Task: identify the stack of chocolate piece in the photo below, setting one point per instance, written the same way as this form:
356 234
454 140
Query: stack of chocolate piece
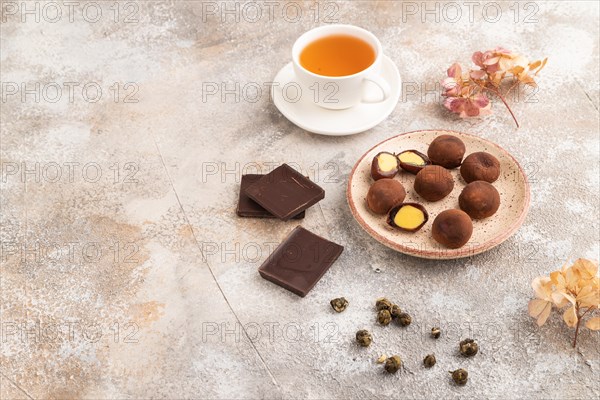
303 257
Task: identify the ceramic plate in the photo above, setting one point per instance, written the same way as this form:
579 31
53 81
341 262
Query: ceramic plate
487 233
364 116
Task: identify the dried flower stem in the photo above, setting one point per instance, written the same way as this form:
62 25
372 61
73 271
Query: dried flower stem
497 93
579 318
577 326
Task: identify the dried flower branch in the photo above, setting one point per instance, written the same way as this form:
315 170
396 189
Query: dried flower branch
577 287
465 93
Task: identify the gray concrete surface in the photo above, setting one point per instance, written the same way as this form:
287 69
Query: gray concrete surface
130 276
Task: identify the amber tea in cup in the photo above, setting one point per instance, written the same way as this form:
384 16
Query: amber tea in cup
337 55
337 60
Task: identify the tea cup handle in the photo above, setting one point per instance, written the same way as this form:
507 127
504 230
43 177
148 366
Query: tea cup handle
382 84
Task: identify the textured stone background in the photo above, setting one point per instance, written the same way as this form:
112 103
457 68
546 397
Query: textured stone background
129 275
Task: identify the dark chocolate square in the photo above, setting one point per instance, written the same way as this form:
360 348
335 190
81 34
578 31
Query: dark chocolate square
300 261
248 207
285 192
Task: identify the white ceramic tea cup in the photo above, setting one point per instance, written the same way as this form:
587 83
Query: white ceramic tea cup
339 92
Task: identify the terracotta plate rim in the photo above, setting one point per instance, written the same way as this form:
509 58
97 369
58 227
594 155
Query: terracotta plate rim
442 254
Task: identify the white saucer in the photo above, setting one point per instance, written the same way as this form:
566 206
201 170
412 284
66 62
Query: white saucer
308 116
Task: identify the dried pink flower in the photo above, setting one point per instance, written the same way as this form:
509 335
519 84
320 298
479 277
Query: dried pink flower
471 106
465 92
461 98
